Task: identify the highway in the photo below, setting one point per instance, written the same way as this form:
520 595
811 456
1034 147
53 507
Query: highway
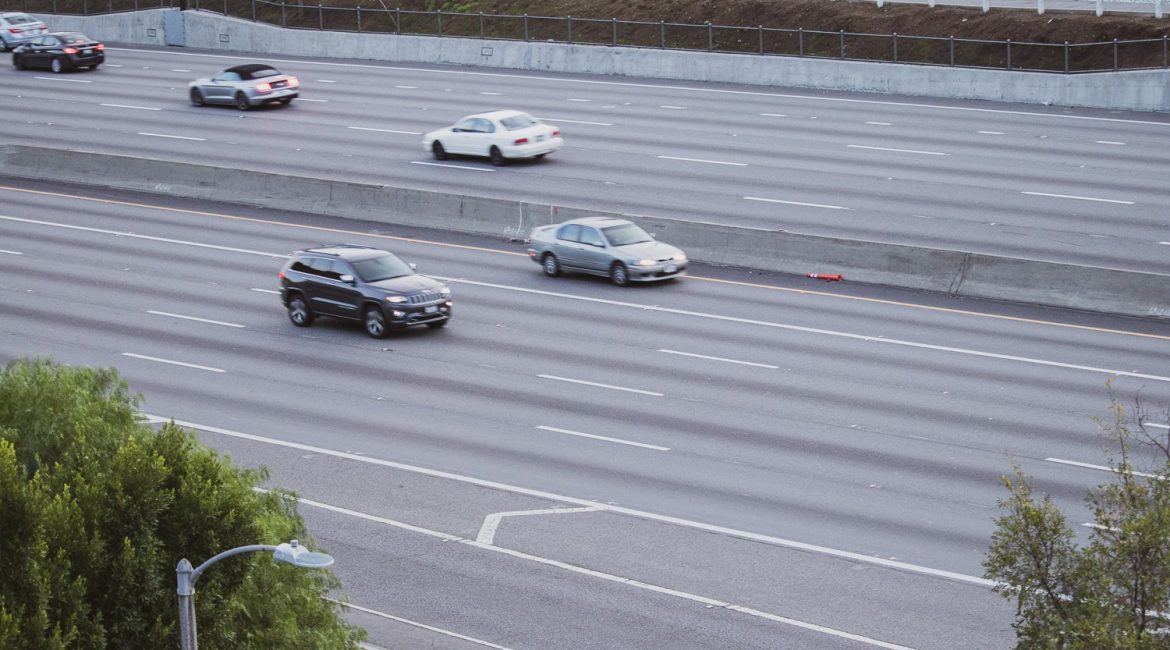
1037 182
732 460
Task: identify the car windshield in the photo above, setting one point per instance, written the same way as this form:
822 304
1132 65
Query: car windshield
260 74
626 234
521 121
75 38
21 20
382 267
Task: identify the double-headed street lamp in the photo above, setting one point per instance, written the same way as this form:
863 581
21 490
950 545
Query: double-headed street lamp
291 553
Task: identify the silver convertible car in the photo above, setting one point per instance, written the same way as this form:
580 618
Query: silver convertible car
245 86
605 246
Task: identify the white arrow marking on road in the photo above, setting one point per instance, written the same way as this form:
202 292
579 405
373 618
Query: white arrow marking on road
487 532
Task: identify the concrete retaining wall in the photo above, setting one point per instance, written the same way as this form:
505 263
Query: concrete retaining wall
958 273
1144 90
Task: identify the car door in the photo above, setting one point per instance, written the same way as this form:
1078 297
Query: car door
457 142
222 87
595 255
332 295
567 247
483 136
39 52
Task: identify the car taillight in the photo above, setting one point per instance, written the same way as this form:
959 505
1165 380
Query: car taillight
99 47
70 50
264 87
280 275
521 141
556 133
15 30
293 81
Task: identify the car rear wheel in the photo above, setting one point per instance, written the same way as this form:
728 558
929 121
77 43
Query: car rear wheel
375 322
438 151
242 102
619 275
94 66
552 267
56 66
497 157
286 101
197 97
298 312
17 62
439 324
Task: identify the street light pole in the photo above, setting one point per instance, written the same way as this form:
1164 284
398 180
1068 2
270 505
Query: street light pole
291 553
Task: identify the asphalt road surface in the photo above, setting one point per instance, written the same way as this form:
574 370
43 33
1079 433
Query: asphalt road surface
1079 186
730 460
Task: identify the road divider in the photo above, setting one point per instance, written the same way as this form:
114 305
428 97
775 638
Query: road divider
953 272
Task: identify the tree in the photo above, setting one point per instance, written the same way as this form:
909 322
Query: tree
1114 591
97 508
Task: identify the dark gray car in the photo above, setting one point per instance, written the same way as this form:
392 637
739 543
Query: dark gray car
245 86
618 249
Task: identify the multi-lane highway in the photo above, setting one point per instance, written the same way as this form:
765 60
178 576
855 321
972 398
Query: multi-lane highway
1026 181
732 460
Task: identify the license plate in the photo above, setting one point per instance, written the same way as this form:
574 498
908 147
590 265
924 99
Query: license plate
87 52
540 138
432 309
670 268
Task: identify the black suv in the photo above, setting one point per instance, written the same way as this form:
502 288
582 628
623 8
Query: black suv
363 284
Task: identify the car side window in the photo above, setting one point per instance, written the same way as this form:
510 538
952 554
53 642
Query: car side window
569 232
590 236
301 265
324 268
464 125
484 126
227 76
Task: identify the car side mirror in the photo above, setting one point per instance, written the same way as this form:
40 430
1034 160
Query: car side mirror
413 266
346 278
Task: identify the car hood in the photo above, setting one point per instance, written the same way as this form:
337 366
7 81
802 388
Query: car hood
408 284
654 250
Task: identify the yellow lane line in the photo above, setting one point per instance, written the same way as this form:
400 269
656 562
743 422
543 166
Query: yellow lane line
483 249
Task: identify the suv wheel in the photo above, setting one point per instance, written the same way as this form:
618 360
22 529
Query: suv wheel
375 322
619 274
552 267
298 312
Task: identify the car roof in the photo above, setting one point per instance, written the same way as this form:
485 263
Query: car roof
497 115
599 222
347 251
17 14
247 69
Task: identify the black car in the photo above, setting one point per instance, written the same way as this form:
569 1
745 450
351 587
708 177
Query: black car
363 284
60 51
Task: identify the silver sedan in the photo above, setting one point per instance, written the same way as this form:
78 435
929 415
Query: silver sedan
245 86
616 248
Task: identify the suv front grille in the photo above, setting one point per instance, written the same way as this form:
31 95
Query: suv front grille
426 296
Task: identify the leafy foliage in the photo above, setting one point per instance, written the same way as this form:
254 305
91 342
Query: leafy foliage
1113 593
96 510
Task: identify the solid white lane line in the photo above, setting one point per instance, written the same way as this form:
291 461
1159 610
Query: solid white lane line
173 137
816 330
703 356
991 132
609 386
881 123
1102 468
487 532
773 114
1160 426
924 153
1109 142
807 205
629 582
559 120
492 94
1164 243
366 128
551 496
574 99
172 362
456 635
1078 198
310 99
433 164
139 108
605 438
180 70
76 81
118 233
700 160
674 108
8 252
194 318
407 87
264 290
326 81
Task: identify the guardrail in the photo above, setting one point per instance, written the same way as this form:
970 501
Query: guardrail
1022 56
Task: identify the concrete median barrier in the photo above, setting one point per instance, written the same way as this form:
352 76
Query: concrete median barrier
953 272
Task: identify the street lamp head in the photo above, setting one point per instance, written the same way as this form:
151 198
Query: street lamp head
295 554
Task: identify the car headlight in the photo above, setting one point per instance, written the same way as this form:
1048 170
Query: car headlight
396 299
445 292
646 262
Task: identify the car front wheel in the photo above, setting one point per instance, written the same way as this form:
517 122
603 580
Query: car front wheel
619 275
438 151
197 97
497 157
242 102
375 322
552 267
56 66
298 312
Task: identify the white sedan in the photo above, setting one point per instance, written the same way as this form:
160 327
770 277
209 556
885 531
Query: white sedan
499 135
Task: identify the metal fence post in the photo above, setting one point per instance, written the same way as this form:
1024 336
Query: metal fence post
952 50
1009 54
439 21
570 21
84 9
710 36
895 47
253 10
761 39
1066 57
282 19
225 7
842 44
359 18
398 20
481 24
110 7
800 40
320 16
662 34
1115 55
525 27
614 21
1165 59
